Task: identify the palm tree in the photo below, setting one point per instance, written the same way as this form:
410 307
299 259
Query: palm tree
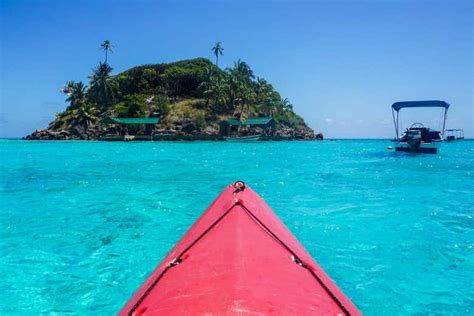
269 106
216 88
107 47
242 71
76 92
206 85
240 80
102 85
246 97
262 87
285 104
235 86
217 50
220 91
86 115
271 103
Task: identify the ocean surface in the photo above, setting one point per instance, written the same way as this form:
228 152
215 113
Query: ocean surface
83 223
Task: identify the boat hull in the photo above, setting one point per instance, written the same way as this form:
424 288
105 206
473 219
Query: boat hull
423 148
238 258
252 138
453 138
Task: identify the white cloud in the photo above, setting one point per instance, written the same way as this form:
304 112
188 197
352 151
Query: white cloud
386 122
329 121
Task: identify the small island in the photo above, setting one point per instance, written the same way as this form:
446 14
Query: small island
184 100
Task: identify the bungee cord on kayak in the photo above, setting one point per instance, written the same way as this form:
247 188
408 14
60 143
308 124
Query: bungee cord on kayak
295 257
179 259
239 187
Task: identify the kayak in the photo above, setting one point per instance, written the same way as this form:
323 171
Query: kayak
238 258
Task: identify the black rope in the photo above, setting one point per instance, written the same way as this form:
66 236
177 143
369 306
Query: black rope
297 259
178 260
206 231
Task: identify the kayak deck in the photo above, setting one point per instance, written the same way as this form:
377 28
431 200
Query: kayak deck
238 258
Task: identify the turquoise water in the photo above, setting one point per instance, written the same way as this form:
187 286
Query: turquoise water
83 223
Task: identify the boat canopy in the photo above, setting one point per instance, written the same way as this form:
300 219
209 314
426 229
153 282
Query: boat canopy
397 106
419 104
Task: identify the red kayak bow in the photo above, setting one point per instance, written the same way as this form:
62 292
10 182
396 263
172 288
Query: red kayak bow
238 258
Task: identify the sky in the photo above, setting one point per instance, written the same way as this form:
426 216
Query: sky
340 63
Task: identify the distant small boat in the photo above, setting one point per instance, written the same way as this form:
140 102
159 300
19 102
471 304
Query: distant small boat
250 138
418 138
454 134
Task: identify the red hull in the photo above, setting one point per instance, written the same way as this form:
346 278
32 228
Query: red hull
238 258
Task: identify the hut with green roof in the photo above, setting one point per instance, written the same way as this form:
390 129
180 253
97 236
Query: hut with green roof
131 123
267 124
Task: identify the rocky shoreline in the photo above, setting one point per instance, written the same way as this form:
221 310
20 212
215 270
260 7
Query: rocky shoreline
186 132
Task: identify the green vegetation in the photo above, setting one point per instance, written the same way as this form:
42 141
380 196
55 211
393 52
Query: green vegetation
192 91
103 87
76 92
132 106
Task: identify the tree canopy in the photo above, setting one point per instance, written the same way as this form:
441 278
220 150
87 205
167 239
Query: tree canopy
156 89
